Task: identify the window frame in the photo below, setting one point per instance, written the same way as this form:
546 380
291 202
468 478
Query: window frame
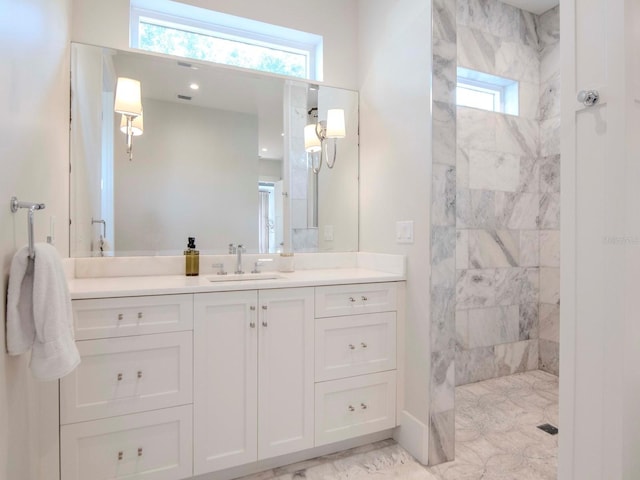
233 30
505 90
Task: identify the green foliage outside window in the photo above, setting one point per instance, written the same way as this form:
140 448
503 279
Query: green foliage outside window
161 39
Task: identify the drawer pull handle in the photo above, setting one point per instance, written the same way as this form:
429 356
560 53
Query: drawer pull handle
364 299
140 451
352 300
264 307
139 315
139 373
264 323
252 308
120 316
363 345
252 324
119 377
351 409
363 406
352 346
120 455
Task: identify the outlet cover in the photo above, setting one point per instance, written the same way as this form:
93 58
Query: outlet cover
404 231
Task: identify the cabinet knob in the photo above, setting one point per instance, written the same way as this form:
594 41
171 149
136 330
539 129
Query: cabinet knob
120 316
252 324
139 451
363 406
139 373
139 315
119 377
351 409
264 323
363 345
120 455
264 307
252 308
352 300
352 346
364 299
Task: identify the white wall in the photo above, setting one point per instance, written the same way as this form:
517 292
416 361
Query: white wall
395 161
189 168
107 23
34 115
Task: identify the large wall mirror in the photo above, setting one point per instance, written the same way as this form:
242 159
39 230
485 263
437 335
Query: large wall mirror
221 158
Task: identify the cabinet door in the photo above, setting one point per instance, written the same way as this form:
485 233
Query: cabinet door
286 383
225 380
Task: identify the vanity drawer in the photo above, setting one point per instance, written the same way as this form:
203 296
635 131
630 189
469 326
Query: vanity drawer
125 375
355 345
119 317
338 300
355 406
153 445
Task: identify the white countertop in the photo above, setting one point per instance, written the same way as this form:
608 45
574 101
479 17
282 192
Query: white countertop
131 286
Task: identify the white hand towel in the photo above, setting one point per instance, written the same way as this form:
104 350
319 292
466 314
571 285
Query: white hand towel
39 313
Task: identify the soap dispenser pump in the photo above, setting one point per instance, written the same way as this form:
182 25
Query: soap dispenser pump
192 259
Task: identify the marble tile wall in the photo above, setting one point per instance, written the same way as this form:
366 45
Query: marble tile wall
548 28
443 234
507 198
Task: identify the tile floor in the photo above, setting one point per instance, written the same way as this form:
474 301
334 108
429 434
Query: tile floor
496 439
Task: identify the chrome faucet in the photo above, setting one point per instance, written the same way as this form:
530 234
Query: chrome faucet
239 249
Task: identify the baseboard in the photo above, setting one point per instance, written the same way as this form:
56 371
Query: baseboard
413 436
263 465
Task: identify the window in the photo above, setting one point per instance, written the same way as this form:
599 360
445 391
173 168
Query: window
487 92
191 32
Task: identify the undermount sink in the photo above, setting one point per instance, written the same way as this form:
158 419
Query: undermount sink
235 277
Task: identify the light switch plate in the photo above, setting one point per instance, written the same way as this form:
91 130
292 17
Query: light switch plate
404 231
328 233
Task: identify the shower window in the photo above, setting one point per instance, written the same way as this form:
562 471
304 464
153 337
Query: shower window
487 92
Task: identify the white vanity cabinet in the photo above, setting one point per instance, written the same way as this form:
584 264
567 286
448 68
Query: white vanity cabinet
126 411
253 376
173 386
355 366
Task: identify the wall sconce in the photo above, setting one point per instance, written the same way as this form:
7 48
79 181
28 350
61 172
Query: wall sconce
316 135
137 125
128 103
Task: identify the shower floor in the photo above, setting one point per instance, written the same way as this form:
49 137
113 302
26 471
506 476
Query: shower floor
497 438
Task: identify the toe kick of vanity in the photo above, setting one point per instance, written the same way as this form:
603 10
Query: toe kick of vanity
177 385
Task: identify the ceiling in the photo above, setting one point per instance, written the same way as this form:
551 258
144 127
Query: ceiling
535 6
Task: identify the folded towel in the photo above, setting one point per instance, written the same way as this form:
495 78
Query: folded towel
39 313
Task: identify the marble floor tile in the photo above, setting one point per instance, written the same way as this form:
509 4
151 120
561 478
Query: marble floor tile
496 439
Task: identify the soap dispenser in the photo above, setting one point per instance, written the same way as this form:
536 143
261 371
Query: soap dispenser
192 259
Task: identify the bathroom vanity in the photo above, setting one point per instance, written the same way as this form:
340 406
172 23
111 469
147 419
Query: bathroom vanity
183 377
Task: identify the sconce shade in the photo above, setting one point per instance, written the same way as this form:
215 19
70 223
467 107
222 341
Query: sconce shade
335 123
311 140
128 98
137 125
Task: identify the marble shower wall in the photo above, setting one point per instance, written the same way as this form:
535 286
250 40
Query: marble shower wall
507 203
548 27
443 234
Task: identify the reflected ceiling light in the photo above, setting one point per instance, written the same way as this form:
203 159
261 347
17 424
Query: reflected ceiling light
128 103
316 137
265 149
194 86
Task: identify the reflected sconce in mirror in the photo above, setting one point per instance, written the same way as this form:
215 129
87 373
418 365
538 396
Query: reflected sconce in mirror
316 137
129 104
